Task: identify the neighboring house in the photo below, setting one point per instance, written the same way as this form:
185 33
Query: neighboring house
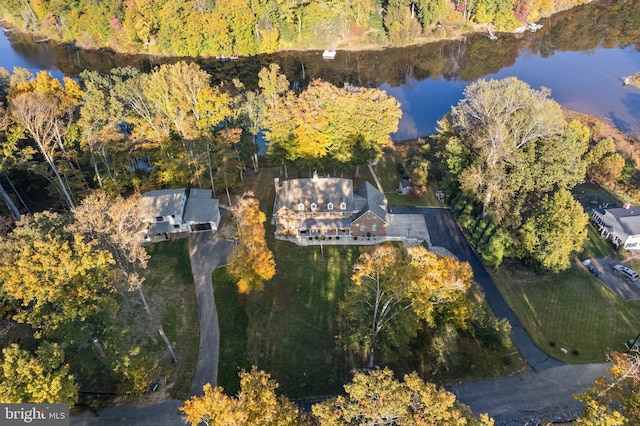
169 211
620 224
329 207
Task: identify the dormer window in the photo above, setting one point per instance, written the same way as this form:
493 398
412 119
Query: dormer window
314 206
301 207
343 206
330 206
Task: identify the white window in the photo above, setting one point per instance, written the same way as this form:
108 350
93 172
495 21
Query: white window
368 216
301 207
343 206
330 206
314 206
374 227
362 228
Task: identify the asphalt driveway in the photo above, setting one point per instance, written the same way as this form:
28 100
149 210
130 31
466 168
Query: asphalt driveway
614 281
207 252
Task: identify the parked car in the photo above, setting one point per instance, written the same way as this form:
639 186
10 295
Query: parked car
594 271
628 273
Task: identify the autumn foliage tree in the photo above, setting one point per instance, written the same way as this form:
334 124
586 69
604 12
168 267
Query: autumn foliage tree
328 125
252 262
614 401
395 290
507 148
376 398
256 404
42 377
55 276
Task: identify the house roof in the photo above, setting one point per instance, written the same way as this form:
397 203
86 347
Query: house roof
163 202
368 198
200 193
321 191
159 228
201 207
620 220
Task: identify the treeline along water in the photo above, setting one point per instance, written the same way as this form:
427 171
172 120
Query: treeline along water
581 55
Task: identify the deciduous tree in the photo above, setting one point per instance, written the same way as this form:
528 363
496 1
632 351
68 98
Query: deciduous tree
252 262
557 229
376 398
614 401
56 276
112 224
45 108
255 404
496 120
41 378
393 291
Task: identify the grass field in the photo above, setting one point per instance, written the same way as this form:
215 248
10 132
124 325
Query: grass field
595 247
570 310
591 195
170 291
287 329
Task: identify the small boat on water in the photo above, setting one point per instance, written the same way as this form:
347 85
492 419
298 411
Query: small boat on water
329 54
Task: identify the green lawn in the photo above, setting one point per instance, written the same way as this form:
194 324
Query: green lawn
591 195
595 247
570 310
287 329
170 291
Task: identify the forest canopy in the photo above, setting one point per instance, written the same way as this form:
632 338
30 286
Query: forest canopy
242 27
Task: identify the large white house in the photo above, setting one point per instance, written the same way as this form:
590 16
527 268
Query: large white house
169 211
620 224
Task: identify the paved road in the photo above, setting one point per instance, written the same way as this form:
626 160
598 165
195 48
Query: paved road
530 398
207 253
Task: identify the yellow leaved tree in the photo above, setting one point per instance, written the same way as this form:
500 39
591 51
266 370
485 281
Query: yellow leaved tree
255 404
252 262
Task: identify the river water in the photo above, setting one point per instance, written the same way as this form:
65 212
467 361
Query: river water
582 55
